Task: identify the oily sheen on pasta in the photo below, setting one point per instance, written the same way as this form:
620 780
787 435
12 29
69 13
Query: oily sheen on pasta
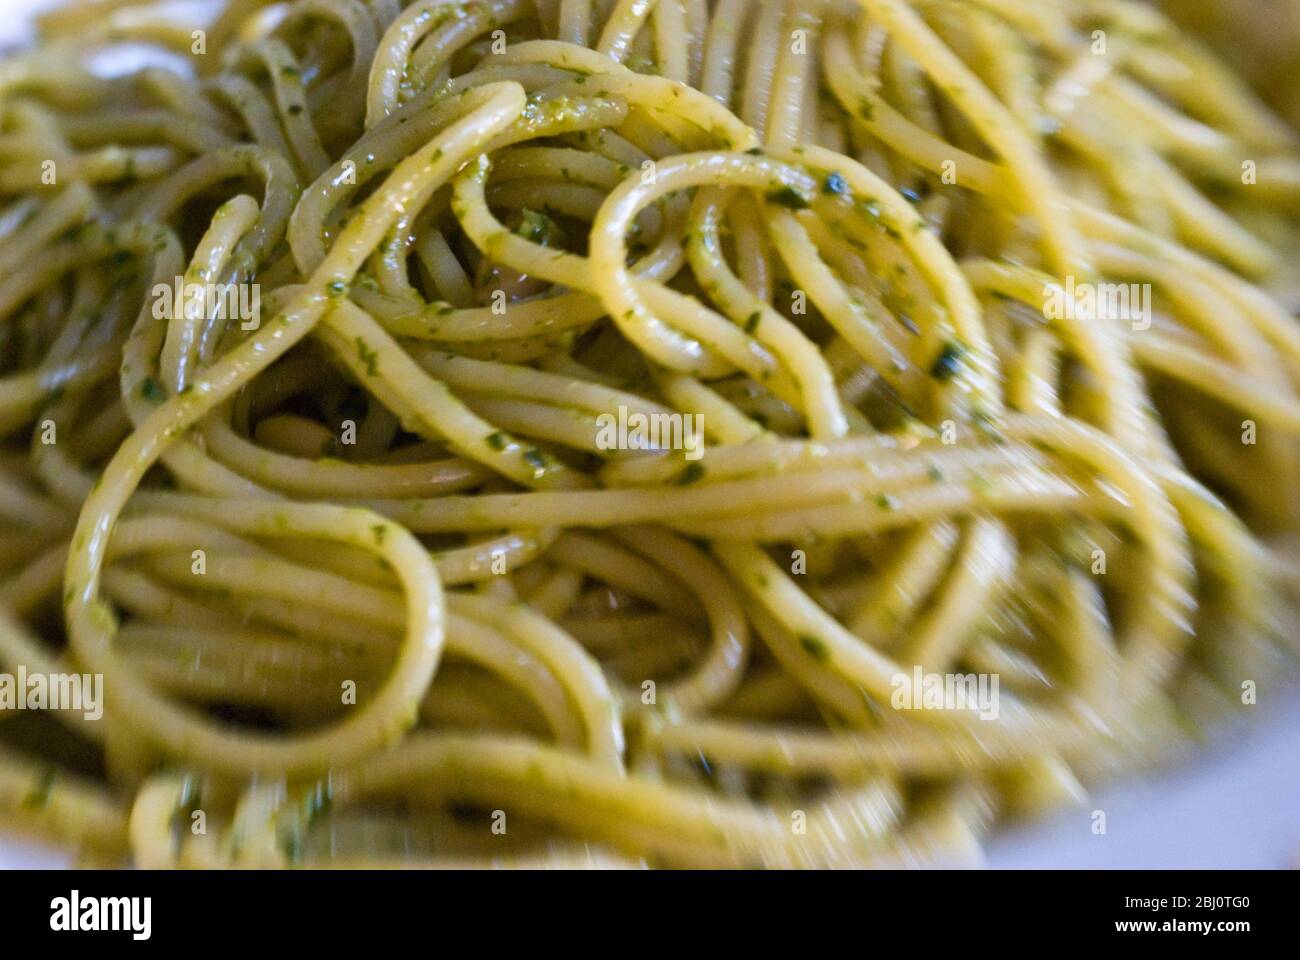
983 311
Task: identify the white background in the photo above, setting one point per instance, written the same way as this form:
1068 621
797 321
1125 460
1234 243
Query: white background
1237 804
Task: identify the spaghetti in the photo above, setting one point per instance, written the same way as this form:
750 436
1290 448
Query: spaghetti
311 336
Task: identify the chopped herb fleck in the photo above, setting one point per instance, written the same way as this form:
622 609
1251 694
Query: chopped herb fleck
693 472
789 197
292 846
835 183
948 363
368 357
814 647
152 390
537 227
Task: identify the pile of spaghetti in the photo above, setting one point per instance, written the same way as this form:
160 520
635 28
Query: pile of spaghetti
984 307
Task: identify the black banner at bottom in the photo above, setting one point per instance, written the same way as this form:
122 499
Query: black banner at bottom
337 909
